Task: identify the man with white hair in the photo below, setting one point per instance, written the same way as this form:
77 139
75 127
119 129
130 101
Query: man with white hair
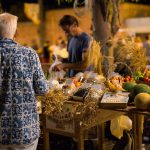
21 77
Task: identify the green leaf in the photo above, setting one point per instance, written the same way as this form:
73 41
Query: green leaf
62 1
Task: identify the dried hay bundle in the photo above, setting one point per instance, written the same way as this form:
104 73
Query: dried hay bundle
94 57
53 101
127 51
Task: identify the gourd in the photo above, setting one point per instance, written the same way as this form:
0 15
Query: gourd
141 88
128 86
142 101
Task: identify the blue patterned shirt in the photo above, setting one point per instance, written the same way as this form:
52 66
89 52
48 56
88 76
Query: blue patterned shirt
21 77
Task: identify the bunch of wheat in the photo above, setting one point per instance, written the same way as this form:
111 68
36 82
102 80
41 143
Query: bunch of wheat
94 57
127 51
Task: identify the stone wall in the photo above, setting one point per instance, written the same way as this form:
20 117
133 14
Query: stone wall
27 32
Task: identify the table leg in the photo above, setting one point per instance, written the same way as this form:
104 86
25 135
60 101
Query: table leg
46 141
137 124
45 134
81 141
100 135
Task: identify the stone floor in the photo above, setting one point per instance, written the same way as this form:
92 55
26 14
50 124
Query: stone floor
69 144
65 143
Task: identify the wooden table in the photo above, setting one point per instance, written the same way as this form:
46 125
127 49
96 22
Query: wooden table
137 117
74 130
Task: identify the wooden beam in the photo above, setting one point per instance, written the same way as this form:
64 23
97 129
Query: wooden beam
42 23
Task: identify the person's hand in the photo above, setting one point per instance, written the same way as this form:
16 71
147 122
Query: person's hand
58 67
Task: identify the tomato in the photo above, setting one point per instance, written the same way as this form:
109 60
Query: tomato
146 79
126 79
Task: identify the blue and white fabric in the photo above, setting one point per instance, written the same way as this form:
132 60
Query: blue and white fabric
21 77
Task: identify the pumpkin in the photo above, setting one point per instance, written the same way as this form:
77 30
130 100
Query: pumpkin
142 101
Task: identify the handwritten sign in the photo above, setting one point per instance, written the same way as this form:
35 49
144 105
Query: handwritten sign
114 100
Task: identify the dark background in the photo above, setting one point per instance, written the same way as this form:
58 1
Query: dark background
53 4
16 7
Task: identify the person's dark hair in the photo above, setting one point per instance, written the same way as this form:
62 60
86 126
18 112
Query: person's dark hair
147 36
68 20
